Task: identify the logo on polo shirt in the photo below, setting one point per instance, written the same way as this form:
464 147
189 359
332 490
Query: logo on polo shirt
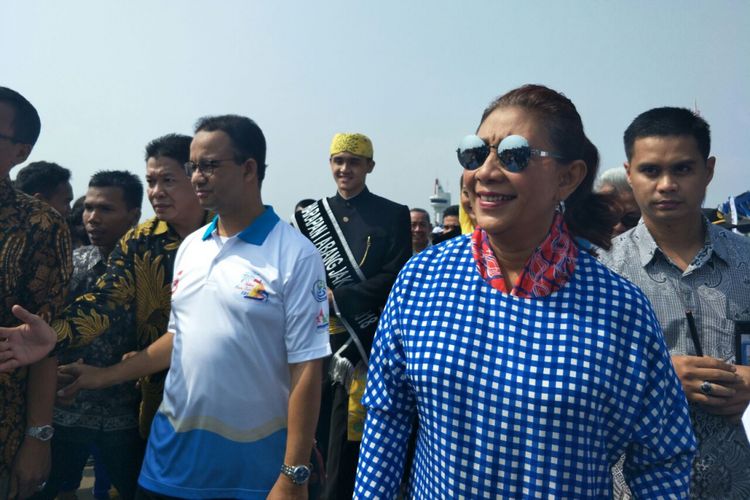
251 287
321 320
176 281
319 291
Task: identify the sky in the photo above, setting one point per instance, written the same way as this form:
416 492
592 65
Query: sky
107 77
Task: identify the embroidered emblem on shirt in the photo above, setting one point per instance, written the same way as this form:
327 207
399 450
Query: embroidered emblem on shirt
251 287
319 291
321 320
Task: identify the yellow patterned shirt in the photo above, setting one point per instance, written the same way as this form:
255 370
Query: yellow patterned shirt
138 279
35 267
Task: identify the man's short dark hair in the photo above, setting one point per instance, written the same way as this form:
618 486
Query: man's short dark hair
422 211
129 183
451 211
666 122
246 136
26 123
175 146
42 177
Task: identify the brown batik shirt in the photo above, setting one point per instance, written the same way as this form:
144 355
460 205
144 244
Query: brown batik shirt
35 266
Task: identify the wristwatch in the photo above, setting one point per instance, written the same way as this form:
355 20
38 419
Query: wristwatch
42 432
299 474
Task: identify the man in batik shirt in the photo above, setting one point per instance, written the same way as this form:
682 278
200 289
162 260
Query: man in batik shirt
139 273
34 273
697 276
138 276
103 422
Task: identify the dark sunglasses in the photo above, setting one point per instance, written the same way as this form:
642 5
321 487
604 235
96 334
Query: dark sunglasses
513 152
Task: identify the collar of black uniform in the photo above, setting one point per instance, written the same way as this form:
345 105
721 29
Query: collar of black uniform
365 193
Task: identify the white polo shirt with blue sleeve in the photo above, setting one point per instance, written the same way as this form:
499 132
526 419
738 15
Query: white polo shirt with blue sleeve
243 309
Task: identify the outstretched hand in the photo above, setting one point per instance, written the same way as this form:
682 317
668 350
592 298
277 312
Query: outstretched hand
27 343
82 376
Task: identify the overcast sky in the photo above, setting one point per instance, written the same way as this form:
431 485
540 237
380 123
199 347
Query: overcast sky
108 76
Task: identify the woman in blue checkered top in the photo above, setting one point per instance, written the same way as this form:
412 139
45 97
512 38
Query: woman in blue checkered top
531 368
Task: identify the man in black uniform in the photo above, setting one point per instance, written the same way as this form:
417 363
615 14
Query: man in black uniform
364 240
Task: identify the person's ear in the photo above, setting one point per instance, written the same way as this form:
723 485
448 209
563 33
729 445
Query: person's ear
251 167
710 166
22 153
569 178
626 166
135 216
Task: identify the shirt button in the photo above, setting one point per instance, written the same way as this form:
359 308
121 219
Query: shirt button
346 219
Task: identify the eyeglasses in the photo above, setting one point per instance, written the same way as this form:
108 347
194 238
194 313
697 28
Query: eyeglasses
11 139
205 167
513 152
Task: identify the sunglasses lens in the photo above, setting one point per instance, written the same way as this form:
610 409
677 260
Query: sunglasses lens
472 152
514 153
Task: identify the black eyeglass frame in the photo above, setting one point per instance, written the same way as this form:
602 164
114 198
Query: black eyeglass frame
205 167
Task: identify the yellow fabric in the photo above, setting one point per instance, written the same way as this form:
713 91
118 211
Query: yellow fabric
465 221
335 326
356 418
356 144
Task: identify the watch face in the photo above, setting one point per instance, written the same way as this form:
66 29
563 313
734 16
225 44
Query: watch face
301 474
43 433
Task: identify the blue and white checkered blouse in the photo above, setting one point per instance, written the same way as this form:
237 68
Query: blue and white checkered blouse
520 397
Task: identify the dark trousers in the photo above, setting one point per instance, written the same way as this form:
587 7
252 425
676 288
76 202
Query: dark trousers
120 451
341 464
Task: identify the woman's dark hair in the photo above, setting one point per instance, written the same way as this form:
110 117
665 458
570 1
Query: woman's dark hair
587 214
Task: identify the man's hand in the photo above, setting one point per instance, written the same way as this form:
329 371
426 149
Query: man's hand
30 468
284 488
694 370
83 377
25 344
735 405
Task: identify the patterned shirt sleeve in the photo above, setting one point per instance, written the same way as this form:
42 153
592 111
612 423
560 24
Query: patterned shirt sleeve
107 303
390 407
52 263
659 459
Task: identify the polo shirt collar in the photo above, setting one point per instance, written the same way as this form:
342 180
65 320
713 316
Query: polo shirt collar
647 247
645 243
256 232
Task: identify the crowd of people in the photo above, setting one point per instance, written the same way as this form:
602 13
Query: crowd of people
560 334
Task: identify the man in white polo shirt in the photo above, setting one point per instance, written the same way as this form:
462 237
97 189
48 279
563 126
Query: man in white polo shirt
249 322
247 333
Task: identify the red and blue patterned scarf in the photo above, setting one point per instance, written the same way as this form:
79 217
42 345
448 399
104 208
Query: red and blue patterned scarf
549 267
